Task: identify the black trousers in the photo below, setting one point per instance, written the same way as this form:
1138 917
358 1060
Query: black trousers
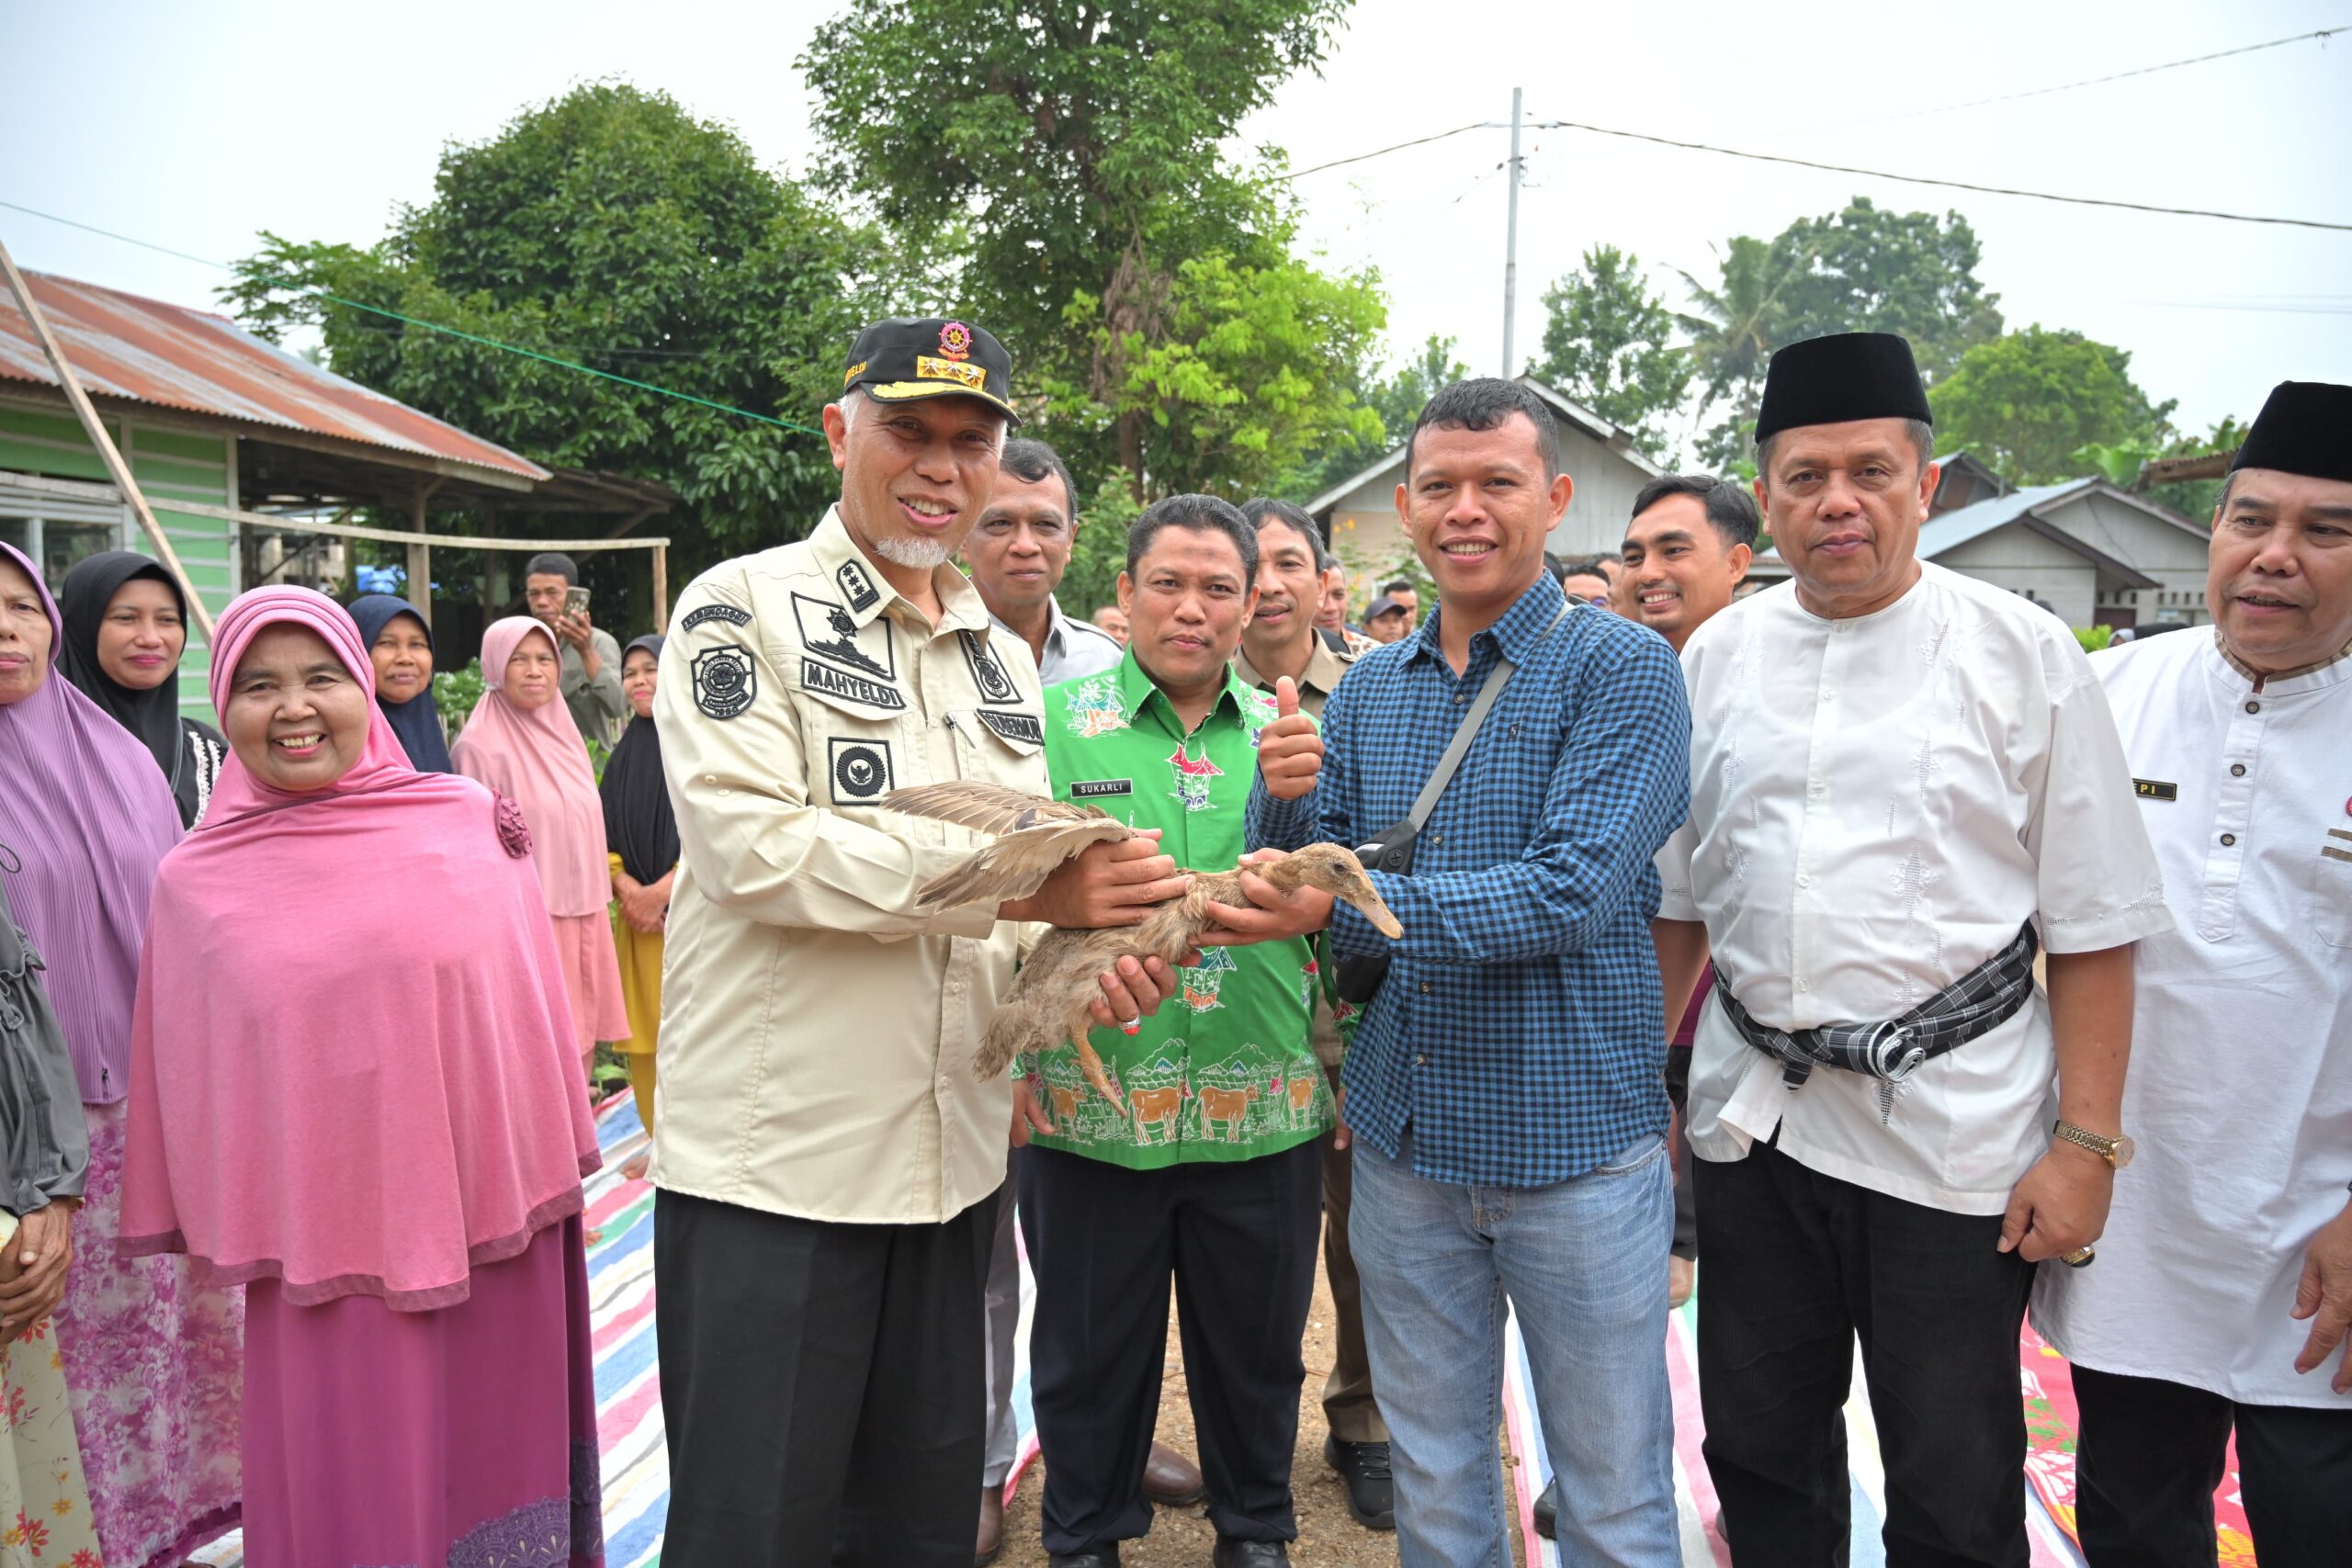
1798 1266
2149 1453
1240 1241
822 1387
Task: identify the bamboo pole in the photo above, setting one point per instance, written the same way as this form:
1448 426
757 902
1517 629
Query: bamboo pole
104 442
662 587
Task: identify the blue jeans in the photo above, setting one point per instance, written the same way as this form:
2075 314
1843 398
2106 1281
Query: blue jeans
1583 1264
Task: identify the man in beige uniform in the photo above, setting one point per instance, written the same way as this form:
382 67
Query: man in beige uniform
826 1163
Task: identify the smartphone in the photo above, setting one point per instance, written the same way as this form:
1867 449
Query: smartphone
575 600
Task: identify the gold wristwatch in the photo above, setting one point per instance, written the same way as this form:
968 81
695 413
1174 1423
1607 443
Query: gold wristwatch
2117 1151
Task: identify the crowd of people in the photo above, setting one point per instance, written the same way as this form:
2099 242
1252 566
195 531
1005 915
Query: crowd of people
1861 937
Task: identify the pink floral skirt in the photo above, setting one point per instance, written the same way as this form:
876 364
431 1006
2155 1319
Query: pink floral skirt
154 1367
592 974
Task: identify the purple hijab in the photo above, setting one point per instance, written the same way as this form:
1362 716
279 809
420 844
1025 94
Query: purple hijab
85 818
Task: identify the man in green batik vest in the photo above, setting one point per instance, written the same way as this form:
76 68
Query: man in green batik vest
1208 1169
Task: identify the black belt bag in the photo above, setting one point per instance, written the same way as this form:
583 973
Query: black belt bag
1358 979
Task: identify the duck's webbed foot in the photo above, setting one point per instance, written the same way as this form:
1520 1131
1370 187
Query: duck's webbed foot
1091 1064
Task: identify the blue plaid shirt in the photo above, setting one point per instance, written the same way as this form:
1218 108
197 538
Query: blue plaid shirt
1519 1032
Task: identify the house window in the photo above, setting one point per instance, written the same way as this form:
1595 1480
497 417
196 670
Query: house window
53 543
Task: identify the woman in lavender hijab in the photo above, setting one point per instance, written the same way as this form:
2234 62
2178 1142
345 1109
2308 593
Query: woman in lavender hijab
152 1364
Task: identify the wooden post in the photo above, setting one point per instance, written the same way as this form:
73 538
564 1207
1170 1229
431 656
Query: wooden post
121 471
662 588
420 558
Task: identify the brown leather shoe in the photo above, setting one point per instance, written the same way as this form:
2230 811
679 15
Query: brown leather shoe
1171 1480
992 1540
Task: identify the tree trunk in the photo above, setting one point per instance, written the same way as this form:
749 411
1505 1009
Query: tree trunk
1128 428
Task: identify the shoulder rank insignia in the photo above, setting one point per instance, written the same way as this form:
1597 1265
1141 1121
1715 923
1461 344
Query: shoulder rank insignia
856 586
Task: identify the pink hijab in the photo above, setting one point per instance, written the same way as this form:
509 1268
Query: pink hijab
538 760
82 830
352 1065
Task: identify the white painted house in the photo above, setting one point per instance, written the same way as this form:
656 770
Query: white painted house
1359 514
2093 553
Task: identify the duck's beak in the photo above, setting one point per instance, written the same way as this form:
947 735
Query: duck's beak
1370 905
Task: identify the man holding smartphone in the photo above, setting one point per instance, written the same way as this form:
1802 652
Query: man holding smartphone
591 678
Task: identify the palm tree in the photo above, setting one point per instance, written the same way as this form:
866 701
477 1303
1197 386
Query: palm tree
1736 324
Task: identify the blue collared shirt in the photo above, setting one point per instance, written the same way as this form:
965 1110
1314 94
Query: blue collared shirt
1519 1032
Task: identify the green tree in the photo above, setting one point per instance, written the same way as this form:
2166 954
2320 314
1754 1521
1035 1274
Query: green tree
1861 269
1250 376
1867 270
1396 397
2027 402
1605 345
1734 324
2196 499
612 228
1080 148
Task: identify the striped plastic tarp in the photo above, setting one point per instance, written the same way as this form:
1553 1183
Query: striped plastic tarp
637 1475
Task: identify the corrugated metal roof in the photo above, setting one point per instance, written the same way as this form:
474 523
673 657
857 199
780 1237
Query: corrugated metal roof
122 346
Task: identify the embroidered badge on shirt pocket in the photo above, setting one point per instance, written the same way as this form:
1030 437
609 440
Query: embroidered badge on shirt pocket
2332 910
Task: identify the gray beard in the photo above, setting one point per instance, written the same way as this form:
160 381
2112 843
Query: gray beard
918 555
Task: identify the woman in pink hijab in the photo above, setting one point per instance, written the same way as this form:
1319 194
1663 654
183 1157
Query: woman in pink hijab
358 1100
150 1353
522 743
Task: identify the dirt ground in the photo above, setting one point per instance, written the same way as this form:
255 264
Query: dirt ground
1182 1538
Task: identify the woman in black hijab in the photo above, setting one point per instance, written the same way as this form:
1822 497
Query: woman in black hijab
400 645
643 835
126 627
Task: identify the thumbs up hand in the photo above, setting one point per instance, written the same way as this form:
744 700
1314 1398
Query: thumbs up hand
1290 751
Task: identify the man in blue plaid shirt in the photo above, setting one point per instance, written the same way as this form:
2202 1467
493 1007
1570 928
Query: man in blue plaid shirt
1505 1090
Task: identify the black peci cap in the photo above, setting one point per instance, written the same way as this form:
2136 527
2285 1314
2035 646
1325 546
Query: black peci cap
1848 376
2305 427
905 359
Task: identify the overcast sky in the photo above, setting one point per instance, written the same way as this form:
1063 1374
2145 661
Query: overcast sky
194 126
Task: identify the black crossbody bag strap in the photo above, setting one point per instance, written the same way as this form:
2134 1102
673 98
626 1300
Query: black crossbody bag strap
1359 977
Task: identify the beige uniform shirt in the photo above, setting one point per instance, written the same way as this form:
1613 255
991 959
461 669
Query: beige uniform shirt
1324 668
817 1029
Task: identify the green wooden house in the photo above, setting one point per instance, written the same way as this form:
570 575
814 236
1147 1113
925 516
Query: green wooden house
215 421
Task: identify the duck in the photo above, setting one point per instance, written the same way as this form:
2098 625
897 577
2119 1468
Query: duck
1052 996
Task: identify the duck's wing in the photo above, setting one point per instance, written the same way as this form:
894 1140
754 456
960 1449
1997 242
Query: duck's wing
1034 836
988 807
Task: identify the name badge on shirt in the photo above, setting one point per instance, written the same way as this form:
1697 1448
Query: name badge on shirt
2155 789
1092 789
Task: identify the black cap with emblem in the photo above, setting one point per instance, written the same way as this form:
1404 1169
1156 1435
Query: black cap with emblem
1844 377
2304 428
906 357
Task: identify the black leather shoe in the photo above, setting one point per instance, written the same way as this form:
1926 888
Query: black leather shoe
1103 1556
1547 1512
1233 1553
1372 1488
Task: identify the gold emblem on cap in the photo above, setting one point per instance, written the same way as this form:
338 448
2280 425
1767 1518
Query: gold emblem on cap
928 368
855 371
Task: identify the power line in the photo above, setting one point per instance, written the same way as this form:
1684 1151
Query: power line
1948 185
1384 151
293 286
2322 35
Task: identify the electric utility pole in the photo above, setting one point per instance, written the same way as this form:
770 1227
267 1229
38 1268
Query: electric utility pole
1510 246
